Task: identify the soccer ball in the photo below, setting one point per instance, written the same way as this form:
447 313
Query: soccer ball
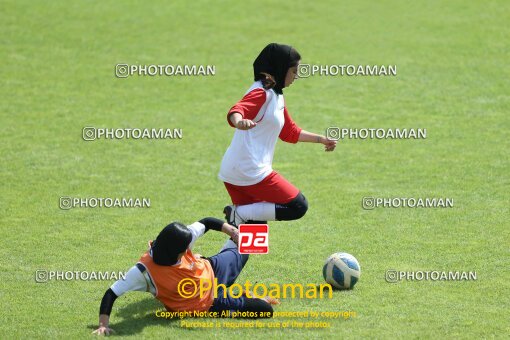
341 270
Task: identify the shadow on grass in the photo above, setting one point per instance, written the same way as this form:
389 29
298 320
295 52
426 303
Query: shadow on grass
136 316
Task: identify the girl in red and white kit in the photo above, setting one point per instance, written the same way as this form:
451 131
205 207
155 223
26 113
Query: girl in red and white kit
259 193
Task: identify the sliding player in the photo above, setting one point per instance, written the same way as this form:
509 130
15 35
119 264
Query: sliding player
169 261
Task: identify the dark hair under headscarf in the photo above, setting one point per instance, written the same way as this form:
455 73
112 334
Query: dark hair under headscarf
171 241
275 59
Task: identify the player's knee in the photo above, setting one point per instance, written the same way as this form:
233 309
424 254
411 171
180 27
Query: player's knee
293 210
301 206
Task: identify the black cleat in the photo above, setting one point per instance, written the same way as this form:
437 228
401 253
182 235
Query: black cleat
232 217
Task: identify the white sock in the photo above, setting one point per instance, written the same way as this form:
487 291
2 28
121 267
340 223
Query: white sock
229 244
262 211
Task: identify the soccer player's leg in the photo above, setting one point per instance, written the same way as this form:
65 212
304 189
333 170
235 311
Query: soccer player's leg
293 210
256 308
239 197
227 265
275 198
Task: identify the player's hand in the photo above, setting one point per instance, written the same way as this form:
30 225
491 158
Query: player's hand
245 124
232 232
102 330
329 144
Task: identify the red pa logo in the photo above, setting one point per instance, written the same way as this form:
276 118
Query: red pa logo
253 239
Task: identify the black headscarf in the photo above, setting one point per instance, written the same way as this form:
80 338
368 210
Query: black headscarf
171 241
275 60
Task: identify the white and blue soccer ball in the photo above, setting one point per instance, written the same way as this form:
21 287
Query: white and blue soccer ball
341 270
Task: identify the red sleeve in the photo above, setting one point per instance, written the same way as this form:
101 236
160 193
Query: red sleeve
249 106
290 131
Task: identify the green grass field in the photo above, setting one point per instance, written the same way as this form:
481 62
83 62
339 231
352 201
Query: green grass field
57 76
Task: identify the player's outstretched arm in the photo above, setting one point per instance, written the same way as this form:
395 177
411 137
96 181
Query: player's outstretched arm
305 136
104 313
134 280
219 225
